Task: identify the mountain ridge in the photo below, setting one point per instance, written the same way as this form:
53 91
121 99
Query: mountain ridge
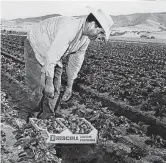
34 19
132 22
119 20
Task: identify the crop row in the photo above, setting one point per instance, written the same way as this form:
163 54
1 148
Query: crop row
133 73
118 136
127 72
154 106
13 45
15 69
13 39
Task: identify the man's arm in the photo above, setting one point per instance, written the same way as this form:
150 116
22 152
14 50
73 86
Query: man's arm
54 54
57 50
74 66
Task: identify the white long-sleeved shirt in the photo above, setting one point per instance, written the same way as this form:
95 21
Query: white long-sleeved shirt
55 38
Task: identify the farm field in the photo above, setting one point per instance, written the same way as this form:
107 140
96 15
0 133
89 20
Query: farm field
121 90
138 39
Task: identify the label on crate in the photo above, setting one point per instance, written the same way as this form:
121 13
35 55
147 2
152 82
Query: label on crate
74 139
65 135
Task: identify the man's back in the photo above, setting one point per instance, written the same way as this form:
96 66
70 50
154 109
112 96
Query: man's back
44 33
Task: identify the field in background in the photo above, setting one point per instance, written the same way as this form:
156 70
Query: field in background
120 89
138 39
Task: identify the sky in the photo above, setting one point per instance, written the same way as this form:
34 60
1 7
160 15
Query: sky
23 9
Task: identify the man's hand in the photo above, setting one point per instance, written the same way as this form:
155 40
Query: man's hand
49 88
49 91
67 94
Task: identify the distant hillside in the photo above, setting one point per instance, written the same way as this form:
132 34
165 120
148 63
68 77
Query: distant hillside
35 19
119 21
151 22
141 18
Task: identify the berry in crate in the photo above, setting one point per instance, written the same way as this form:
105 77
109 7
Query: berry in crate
76 125
51 125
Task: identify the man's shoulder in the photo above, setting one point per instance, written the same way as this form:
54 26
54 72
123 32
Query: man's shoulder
64 18
70 19
67 21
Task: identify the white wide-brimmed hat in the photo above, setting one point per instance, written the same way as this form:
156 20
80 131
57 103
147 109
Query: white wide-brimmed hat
103 18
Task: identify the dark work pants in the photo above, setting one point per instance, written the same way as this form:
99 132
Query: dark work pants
35 82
